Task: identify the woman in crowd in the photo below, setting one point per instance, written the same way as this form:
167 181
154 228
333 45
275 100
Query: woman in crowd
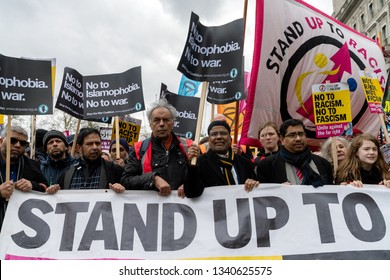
342 145
364 164
269 139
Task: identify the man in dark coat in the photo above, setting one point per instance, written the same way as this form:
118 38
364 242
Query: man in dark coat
57 161
25 174
220 165
160 162
294 164
91 171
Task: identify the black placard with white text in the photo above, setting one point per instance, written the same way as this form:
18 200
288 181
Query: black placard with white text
25 86
213 53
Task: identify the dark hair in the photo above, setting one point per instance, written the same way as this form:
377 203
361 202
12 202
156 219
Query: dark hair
84 132
291 122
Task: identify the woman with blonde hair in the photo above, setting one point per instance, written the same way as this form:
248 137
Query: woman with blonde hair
364 164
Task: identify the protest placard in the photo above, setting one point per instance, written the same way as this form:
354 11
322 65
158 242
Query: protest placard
332 109
113 94
187 112
71 96
127 130
213 53
25 86
372 90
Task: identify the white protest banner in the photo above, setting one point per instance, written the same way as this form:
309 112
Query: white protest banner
297 46
272 222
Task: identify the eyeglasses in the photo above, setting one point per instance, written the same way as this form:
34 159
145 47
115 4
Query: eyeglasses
16 140
222 133
294 135
157 121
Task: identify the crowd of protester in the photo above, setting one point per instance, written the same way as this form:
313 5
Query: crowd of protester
166 162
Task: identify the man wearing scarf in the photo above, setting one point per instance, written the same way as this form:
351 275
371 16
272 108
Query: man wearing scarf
220 165
159 163
295 164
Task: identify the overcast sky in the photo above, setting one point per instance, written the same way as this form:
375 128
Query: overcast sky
110 36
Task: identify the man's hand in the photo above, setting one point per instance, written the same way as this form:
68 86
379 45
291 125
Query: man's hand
163 187
6 189
180 192
23 185
118 188
250 184
193 151
53 189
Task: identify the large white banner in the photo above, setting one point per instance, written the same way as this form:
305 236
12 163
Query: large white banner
271 222
297 46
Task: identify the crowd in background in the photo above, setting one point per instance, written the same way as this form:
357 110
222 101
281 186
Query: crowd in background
166 162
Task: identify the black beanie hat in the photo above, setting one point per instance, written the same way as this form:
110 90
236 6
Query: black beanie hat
218 123
54 134
123 142
39 134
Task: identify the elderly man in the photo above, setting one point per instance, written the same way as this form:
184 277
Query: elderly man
58 159
220 165
159 162
294 164
91 171
25 174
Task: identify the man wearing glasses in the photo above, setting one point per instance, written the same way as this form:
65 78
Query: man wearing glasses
160 162
294 164
25 174
219 166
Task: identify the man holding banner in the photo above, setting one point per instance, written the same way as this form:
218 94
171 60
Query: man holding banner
91 171
295 164
25 174
159 162
220 165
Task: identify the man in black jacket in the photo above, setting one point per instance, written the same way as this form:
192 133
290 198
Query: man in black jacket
159 162
57 161
91 171
220 165
294 164
25 174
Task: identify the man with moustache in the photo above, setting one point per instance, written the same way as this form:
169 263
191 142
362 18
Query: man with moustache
160 162
57 161
219 166
295 164
91 171
25 174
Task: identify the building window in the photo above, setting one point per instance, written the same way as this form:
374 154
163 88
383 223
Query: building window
370 10
381 3
362 20
354 26
384 31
